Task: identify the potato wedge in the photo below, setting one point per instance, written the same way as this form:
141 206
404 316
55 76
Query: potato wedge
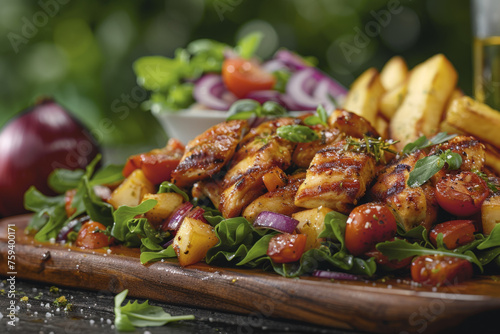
394 73
166 204
364 95
193 240
492 158
382 126
490 213
429 88
392 99
132 190
311 223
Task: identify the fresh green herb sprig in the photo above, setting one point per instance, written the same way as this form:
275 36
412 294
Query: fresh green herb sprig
492 186
133 315
297 133
372 146
423 142
246 108
426 167
321 117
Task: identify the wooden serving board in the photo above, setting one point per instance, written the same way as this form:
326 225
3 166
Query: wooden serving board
376 306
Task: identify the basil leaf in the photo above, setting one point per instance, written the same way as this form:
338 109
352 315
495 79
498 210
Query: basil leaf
423 142
320 118
62 180
166 253
243 109
141 315
424 169
271 108
168 187
247 46
454 160
297 133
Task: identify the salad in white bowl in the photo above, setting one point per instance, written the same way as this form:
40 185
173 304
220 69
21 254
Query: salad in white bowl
195 89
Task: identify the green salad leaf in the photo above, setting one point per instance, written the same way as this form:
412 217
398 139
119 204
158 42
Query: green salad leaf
168 187
247 45
133 315
425 168
153 256
423 142
321 117
297 133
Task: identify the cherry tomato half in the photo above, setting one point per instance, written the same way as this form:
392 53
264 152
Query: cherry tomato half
68 202
455 233
367 225
89 237
440 270
462 194
158 164
243 76
385 263
286 247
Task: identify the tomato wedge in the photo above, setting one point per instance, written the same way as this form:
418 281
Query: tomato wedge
440 270
455 233
367 225
68 202
286 247
157 164
385 263
274 179
243 76
89 237
462 194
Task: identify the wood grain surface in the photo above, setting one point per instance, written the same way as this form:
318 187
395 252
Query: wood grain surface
381 306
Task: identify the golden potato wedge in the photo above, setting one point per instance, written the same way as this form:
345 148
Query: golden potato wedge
382 126
193 240
429 88
311 223
166 204
475 118
132 190
364 95
490 213
392 99
394 73
492 158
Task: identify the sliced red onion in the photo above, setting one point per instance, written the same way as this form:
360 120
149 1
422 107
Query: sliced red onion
197 213
168 243
174 221
210 91
291 60
275 221
274 65
335 275
63 233
262 96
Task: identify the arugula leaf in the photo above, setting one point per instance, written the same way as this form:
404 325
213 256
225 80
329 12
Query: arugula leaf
414 233
62 180
107 175
97 209
320 118
423 142
297 133
168 187
166 253
126 227
401 249
335 224
492 240
141 315
247 46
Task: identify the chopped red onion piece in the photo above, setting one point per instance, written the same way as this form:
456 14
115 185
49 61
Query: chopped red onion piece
174 221
63 233
275 221
291 60
262 96
197 213
210 91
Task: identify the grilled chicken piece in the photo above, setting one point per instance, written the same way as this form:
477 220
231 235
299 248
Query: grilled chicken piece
471 150
281 200
208 153
261 150
412 206
336 179
351 124
305 152
208 188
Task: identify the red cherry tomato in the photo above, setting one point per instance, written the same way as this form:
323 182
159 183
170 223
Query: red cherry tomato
440 270
243 76
455 233
462 194
387 264
158 164
88 237
284 248
367 225
68 201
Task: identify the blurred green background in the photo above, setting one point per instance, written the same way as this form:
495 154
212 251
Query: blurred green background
81 52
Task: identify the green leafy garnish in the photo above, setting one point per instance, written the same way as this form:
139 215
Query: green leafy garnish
246 108
423 142
166 253
492 186
247 46
321 117
297 133
127 228
372 146
133 315
168 187
426 167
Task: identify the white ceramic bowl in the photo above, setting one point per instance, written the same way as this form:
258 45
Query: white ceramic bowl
185 125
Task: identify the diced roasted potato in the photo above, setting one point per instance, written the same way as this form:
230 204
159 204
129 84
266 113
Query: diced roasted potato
392 99
311 223
167 203
429 88
193 240
132 190
394 73
364 95
475 118
490 213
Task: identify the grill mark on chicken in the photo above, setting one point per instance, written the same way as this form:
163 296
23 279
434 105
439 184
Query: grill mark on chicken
208 153
305 152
